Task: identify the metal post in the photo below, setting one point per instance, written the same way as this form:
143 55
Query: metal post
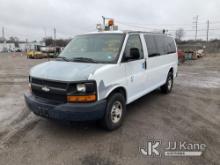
54 31
207 37
196 26
103 22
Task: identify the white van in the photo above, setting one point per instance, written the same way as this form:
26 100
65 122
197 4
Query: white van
98 74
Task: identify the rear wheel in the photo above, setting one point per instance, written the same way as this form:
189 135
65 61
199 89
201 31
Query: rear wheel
168 86
115 112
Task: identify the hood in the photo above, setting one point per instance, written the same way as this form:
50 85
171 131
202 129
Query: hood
64 71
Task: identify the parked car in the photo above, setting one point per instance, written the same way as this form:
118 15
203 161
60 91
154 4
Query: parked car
98 74
17 50
200 53
181 56
50 51
35 54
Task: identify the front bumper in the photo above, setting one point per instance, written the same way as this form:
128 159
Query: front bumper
66 111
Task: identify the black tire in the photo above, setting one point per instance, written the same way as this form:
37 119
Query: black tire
168 86
108 121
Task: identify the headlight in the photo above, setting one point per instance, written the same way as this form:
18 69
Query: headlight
81 88
88 87
83 92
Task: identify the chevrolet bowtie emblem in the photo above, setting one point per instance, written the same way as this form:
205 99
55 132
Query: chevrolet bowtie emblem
45 89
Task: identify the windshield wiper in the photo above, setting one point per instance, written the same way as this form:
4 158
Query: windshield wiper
84 59
63 58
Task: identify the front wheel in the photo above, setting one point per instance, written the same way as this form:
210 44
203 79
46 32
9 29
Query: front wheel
168 86
115 112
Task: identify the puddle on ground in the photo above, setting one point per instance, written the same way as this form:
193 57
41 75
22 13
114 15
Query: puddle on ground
195 80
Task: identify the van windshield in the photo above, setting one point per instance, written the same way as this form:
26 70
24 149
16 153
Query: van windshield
100 48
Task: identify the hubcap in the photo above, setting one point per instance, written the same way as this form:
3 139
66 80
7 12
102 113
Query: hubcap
116 112
170 83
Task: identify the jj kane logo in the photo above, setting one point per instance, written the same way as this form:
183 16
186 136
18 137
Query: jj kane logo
151 148
172 148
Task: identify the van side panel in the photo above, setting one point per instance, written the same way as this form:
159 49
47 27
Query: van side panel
158 62
159 68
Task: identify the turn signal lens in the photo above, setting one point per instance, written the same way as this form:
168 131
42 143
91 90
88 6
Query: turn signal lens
81 99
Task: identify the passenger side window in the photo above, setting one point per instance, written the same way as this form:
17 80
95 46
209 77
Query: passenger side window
158 45
161 44
134 42
151 46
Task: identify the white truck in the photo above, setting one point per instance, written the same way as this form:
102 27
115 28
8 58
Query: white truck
99 73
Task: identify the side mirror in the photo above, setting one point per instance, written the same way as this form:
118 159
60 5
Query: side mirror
134 53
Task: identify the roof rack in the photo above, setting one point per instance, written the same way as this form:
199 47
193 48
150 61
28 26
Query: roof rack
153 32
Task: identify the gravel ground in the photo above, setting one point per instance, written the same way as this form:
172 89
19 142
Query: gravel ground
190 113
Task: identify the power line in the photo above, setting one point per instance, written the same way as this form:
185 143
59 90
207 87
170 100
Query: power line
144 27
141 25
137 26
166 26
197 29
215 22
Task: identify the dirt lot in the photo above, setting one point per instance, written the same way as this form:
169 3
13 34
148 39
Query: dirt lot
191 113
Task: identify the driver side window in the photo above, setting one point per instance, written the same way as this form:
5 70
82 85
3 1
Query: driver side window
134 42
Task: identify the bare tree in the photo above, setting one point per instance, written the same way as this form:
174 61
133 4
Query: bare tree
180 34
14 40
48 41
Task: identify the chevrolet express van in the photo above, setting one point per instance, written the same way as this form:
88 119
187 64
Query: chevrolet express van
98 74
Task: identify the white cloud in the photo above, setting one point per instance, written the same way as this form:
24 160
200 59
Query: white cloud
31 18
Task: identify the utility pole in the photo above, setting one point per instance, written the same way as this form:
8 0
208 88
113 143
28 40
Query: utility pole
3 36
103 22
3 33
54 33
196 25
45 32
207 37
26 45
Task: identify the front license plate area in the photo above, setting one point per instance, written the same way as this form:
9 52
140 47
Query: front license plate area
42 111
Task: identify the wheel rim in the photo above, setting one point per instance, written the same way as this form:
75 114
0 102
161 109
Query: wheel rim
169 83
116 112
